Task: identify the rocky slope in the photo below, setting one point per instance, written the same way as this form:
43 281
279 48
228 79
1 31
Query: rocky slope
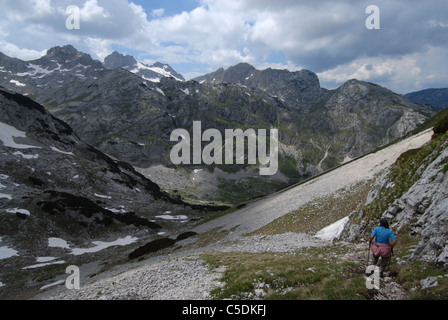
412 195
62 200
298 89
131 119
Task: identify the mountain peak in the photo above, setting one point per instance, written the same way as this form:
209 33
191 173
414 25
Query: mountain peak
118 60
153 72
67 50
243 66
67 56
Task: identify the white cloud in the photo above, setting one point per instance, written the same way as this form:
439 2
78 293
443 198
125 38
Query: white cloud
402 74
100 48
12 50
92 12
327 37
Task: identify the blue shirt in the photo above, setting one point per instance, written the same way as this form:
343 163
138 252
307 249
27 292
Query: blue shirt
383 235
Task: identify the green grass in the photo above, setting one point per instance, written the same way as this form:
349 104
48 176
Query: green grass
410 274
308 274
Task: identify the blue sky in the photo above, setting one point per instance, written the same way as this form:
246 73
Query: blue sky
408 53
170 7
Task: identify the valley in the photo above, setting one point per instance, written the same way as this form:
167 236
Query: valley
86 179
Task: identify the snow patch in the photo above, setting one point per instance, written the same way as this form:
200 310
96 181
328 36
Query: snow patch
6 252
53 284
17 210
98 245
60 151
5 196
168 217
332 231
58 243
7 135
162 71
121 209
40 265
45 259
37 71
102 196
26 156
18 83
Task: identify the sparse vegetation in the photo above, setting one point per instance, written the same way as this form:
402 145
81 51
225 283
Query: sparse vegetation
403 174
308 274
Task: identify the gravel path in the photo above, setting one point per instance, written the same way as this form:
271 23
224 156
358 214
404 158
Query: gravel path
185 278
183 275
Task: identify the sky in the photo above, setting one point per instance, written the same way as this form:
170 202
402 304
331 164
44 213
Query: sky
407 53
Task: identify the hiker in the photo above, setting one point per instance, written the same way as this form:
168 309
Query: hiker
381 246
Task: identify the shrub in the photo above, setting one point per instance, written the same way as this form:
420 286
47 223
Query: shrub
442 125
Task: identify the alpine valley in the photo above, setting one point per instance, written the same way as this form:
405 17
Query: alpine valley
85 153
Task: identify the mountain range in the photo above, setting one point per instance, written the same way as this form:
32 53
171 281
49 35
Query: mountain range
435 98
126 116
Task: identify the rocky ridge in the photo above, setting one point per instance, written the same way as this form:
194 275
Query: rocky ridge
436 98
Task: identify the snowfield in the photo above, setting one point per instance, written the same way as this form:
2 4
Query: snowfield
98 245
7 135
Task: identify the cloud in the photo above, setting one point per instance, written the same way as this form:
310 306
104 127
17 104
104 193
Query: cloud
326 37
401 74
12 50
